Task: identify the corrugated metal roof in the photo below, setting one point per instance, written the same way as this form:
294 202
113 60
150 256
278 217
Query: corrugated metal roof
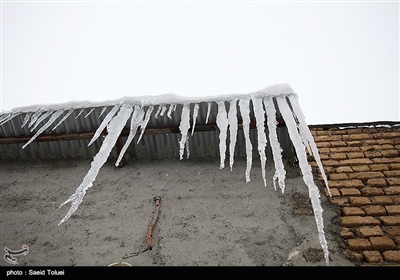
153 146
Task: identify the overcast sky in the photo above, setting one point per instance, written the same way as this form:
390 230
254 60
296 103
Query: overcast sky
341 58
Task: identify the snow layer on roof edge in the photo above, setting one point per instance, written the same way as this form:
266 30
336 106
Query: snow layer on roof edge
147 100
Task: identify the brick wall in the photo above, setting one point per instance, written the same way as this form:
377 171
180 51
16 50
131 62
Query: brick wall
363 170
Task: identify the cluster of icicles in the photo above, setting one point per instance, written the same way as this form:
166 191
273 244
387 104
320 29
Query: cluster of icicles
263 106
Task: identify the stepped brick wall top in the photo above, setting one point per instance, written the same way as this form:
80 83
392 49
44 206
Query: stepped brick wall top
363 170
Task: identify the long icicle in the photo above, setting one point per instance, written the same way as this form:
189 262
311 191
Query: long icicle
145 121
306 171
244 105
233 127
136 121
184 128
308 137
195 113
116 125
261 137
280 172
106 120
222 123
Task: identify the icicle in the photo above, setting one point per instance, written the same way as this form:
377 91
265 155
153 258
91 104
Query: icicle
261 137
171 107
115 128
39 120
80 113
163 109
245 113
136 121
104 124
103 111
222 123
52 119
195 112
187 148
64 118
5 118
208 111
8 117
280 172
26 119
307 136
306 171
145 121
158 112
184 128
35 116
91 110
233 127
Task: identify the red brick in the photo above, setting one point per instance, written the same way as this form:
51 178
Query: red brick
378 167
391 256
366 175
382 243
389 220
366 231
371 191
376 182
352 211
345 169
338 156
350 192
359 201
323 150
361 168
340 201
359 244
328 170
372 154
346 184
354 221
374 210
394 231
390 153
354 137
387 147
337 131
392 190
338 144
396 240
346 233
393 173
354 130
339 176
393 209
382 200
356 161
373 256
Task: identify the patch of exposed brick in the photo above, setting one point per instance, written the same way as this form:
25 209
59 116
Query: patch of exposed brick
364 177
